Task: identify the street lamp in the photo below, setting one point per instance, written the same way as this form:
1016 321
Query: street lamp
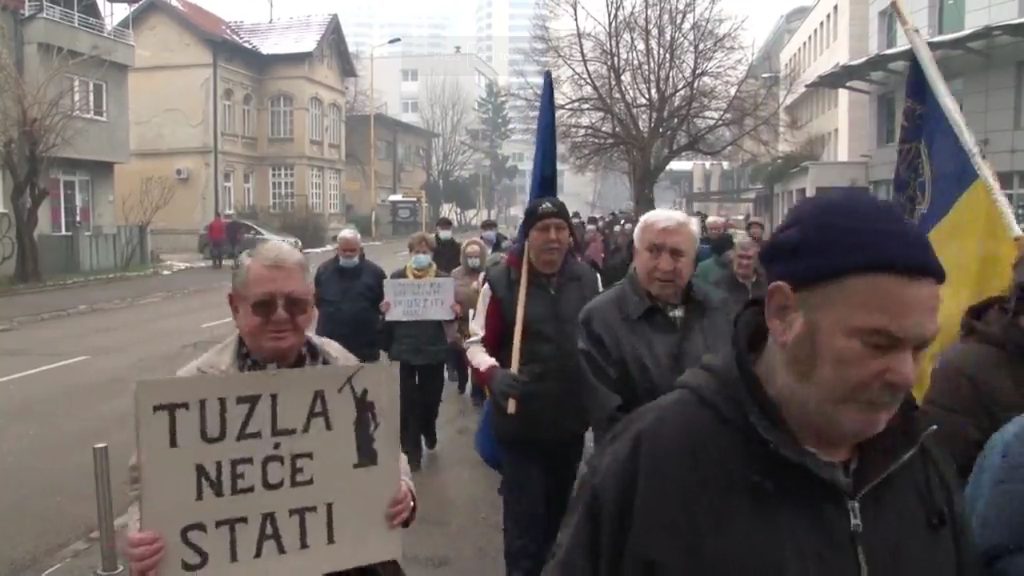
373 144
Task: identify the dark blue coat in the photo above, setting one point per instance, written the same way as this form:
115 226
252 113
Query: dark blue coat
348 300
995 501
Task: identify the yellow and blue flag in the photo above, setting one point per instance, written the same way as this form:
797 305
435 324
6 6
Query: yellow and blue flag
937 186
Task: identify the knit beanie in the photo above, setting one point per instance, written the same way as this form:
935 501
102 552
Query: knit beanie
543 209
828 237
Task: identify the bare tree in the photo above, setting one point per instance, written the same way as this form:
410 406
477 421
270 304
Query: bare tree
644 82
140 207
36 120
446 111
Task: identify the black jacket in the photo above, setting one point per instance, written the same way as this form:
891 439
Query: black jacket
348 301
617 260
447 255
708 481
736 293
419 343
551 405
632 352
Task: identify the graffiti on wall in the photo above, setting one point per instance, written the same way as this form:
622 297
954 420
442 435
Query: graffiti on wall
6 237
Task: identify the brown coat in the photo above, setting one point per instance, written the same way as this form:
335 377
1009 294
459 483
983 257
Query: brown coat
977 385
467 285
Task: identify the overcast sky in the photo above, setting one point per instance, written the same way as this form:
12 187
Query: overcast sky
761 15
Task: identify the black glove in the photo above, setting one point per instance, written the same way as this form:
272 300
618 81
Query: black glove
505 384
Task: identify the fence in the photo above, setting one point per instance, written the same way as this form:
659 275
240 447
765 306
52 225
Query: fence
98 251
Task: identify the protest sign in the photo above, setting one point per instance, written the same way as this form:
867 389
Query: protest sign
428 299
278 472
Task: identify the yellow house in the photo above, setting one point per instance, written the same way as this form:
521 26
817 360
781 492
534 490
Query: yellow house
402 156
241 116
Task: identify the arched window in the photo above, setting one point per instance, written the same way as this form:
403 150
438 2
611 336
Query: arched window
248 116
282 117
316 119
227 112
334 125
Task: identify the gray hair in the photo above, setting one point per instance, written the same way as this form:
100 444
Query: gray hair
745 245
714 220
273 254
661 218
350 234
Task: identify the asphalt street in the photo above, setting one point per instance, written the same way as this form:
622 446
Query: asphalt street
66 383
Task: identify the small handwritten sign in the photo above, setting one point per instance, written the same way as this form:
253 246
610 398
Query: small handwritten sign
282 472
429 299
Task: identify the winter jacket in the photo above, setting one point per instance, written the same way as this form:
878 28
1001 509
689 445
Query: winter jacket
222 359
447 255
707 480
711 270
977 386
551 406
216 232
617 261
348 305
632 352
995 501
738 293
418 342
467 284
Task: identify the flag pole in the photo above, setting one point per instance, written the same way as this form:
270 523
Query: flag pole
517 334
956 119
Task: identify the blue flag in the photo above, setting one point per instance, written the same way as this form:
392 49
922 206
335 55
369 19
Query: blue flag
544 180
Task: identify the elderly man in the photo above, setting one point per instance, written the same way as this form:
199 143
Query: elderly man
802 452
271 301
637 338
744 282
542 442
349 291
717 240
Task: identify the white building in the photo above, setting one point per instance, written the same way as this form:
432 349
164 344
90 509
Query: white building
978 45
423 30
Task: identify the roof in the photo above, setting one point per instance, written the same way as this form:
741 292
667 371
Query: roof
289 36
861 70
385 120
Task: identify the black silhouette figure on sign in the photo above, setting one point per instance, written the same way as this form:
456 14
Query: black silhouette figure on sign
365 424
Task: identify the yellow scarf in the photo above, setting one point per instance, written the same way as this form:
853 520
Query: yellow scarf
415 274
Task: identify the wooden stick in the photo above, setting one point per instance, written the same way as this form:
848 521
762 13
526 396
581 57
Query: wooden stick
517 334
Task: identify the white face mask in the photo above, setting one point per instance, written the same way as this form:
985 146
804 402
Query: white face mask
473 261
444 234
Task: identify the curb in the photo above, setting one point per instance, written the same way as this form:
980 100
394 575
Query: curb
83 545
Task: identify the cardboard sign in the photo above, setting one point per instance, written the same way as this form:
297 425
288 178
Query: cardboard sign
429 299
281 472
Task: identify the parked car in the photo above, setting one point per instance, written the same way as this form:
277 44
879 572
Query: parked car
252 234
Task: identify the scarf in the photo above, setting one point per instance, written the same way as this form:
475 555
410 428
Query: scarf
415 274
310 356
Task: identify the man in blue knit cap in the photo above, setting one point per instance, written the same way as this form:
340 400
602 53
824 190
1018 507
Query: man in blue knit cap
800 451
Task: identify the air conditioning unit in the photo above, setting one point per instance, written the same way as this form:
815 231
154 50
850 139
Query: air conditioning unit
181 173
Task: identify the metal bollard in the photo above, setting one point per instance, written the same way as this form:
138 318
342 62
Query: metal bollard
105 512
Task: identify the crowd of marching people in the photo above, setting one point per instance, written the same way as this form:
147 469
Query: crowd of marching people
750 397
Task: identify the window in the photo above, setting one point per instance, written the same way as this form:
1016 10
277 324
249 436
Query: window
385 151
882 189
410 75
828 30
281 117
1018 97
518 157
835 23
282 188
248 116
814 46
2 190
227 112
88 97
316 119
227 193
887 29
74 203
886 115
951 16
334 125
247 193
334 191
410 106
316 189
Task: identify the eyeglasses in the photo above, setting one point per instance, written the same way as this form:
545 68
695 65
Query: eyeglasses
266 307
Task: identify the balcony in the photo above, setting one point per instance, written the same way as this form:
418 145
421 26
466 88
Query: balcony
43 9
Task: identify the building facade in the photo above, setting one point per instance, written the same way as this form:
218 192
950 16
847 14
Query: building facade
402 156
423 29
242 116
978 45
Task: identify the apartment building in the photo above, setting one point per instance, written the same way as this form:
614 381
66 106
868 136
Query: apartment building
979 46
401 159
242 116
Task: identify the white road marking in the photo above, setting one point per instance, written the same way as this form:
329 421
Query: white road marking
218 322
44 368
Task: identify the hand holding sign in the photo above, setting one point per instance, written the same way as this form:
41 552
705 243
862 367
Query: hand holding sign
415 300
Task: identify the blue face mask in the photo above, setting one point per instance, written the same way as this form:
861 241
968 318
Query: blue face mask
421 261
489 236
346 262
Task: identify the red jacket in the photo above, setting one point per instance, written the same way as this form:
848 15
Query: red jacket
216 231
